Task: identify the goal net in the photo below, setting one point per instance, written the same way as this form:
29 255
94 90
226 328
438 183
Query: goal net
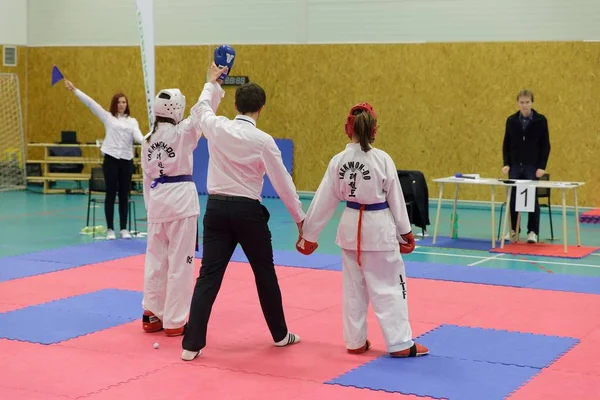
12 141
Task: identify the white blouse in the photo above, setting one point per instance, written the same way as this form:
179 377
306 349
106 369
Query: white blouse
121 131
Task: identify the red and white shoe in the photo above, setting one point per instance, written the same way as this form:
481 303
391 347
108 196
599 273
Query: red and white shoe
175 331
416 350
150 322
362 349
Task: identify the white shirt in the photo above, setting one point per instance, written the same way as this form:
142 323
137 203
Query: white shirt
241 154
365 178
169 151
120 131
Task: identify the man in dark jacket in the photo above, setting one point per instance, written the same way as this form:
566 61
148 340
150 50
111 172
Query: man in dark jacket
526 149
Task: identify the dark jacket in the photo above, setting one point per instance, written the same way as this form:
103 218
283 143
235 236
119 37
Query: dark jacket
529 146
416 197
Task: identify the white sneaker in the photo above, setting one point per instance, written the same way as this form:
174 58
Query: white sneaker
110 235
187 355
289 339
125 234
512 236
532 237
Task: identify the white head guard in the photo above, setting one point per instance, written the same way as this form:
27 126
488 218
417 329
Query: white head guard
170 103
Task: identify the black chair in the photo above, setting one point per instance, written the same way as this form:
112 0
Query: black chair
97 185
542 193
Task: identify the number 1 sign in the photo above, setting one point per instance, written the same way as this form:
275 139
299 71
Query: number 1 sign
525 201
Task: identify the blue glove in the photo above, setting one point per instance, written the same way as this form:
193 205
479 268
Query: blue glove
224 57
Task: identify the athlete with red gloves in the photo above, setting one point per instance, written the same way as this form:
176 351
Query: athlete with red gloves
373 230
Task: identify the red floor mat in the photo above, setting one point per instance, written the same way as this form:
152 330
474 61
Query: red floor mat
559 385
242 386
590 217
546 249
59 370
120 363
583 358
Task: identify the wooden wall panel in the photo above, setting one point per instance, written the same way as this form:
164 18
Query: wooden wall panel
442 107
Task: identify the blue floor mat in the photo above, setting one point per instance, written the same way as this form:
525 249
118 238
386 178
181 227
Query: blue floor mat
71 317
238 255
91 253
474 274
286 258
504 277
567 283
334 267
448 242
481 275
447 272
496 346
18 267
316 261
75 256
463 363
438 377
46 261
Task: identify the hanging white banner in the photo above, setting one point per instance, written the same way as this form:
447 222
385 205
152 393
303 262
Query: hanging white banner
145 14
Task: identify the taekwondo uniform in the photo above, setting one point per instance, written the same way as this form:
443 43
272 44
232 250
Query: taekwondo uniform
369 237
171 198
240 155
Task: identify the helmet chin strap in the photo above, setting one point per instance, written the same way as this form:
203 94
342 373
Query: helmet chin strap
351 118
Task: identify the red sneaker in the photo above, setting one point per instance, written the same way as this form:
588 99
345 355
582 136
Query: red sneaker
362 349
175 331
150 322
416 350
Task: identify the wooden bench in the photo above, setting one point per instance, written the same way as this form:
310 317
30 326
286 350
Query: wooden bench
46 176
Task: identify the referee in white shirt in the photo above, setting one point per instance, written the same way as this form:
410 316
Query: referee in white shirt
121 131
240 155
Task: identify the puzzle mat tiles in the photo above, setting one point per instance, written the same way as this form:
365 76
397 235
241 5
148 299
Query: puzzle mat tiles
493 340
43 262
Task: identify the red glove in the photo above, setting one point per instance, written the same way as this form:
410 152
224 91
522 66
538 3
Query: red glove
410 243
305 247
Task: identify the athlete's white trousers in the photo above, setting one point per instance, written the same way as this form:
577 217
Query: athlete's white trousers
382 279
169 270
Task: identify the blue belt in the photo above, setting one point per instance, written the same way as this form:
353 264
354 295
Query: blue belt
368 207
172 179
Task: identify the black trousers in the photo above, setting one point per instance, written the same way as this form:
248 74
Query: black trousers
533 220
117 178
228 221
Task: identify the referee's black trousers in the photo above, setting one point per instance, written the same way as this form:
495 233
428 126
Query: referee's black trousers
228 221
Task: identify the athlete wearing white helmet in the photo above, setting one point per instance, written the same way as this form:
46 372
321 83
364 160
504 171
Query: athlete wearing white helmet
172 205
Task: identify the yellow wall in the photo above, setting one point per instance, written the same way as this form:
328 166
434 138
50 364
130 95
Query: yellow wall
442 107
